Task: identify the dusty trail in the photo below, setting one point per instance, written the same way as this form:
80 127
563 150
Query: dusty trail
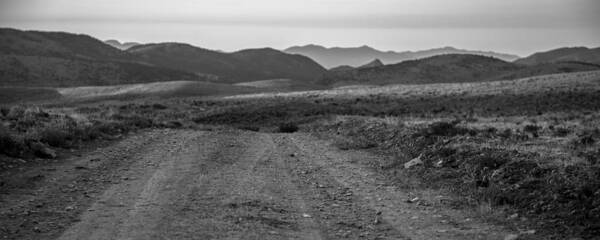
231 184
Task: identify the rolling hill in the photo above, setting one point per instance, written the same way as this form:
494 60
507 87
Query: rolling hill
241 66
575 54
336 56
269 63
450 68
55 59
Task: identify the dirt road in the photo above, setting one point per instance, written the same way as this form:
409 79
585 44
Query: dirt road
223 184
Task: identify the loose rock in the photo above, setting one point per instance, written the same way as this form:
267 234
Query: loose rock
41 150
414 162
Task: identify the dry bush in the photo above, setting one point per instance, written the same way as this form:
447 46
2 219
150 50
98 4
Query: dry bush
10 145
288 128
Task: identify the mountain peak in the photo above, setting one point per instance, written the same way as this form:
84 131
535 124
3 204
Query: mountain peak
374 63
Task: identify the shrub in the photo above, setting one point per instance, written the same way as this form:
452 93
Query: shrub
159 106
139 121
561 132
531 129
447 129
4 111
507 133
355 144
586 140
288 128
10 145
55 137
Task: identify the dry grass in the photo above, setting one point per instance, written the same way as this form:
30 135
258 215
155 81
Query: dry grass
553 179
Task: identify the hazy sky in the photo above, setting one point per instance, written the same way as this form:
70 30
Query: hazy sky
513 26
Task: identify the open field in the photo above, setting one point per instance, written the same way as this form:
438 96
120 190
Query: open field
497 158
280 85
12 95
543 83
161 89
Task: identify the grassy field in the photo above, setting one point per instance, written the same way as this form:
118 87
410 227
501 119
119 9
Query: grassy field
529 147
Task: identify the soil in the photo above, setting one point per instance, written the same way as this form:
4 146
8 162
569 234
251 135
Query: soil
221 184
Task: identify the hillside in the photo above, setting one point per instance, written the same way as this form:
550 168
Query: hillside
57 44
56 59
242 66
269 63
451 68
336 56
575 54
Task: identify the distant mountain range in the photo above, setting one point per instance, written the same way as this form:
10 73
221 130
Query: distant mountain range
58 59
575 54
448 68
242 66
337 56
119 45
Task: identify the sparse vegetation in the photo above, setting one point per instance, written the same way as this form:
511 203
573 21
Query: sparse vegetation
523 147
26 128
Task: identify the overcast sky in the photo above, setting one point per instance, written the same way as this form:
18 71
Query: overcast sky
513 26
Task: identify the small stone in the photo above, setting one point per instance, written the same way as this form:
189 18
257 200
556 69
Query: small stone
414 162
511 237
532 231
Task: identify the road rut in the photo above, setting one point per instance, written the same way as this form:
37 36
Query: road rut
232 184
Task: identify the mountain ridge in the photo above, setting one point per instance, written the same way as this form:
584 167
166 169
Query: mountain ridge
356 56
447 68
240 66
60 59
565 54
